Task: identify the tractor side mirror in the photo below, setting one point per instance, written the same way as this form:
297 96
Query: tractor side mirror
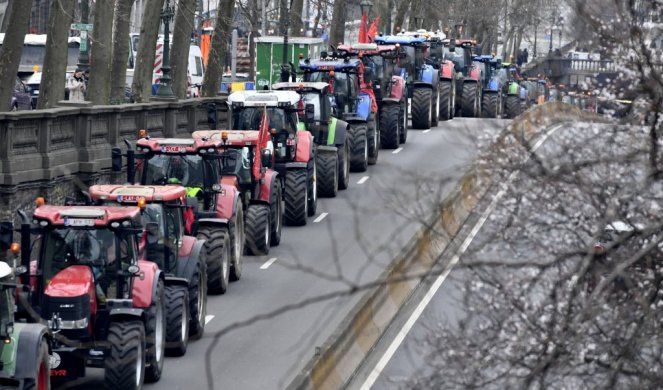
266 158
309 113
6 235
152 230
116 159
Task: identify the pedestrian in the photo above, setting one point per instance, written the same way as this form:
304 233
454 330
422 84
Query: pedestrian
76 86
519 58
525 56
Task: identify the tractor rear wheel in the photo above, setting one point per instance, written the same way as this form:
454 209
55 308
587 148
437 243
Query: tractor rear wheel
217 256
276 211
125 364
236 230
470 104
421 108
155 335
42 379
177 329
312 180
343 165
512 106
327 174
373 140
296 197
403 117
445 101
389 136
358 147
257 226
197 297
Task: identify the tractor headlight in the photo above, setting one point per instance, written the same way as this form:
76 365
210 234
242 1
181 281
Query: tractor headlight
77 324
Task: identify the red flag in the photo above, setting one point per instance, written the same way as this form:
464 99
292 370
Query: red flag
363 37
373 30
263 138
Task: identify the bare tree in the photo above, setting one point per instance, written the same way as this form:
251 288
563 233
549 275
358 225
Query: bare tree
401 10
337 33
51 89
179 55
98 91
218 49
120 50
296 26
144 69
11 50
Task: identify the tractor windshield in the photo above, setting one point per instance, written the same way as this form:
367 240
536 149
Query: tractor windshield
237 162
186 170
248 118
457 56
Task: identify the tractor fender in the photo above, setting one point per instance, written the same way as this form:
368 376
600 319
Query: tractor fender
126 313
428 75
225 201
176 281
146 284
296 165
447 70
390 101
230 180
186 266
337 132
29 338
397 88
421 84
304 146
212 221
494 85
475 73
327 149
352 119
267 183
364 105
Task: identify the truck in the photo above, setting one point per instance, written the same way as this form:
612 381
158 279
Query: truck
269 56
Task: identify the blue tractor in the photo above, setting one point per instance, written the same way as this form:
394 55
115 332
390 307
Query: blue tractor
422 78
349 103
492 83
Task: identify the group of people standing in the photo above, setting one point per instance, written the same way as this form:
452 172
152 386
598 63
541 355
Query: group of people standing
522 58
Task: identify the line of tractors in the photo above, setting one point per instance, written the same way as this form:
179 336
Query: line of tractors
118 277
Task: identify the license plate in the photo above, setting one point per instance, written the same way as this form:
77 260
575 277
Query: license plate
127 198
173 149
78 222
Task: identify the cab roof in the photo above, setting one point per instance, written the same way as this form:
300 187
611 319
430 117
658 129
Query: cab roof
174 145
303 86
235 137
400 39
368 49
263 98
85 216
336 64
132 193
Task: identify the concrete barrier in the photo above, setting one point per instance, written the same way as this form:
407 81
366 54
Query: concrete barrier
342 354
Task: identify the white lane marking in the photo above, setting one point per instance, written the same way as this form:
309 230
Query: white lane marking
320 217
268 263
209 318
398 150
362 180
396 342
426 131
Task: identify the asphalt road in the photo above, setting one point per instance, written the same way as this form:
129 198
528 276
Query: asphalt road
349 242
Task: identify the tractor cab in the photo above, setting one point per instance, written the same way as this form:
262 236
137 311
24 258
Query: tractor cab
317 101
412 66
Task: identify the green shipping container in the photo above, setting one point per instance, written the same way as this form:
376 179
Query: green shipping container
269 56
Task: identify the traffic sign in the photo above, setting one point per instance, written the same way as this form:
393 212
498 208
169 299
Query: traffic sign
82 26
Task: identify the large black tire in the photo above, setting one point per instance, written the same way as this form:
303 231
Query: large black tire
197 298
403 115
217 256
446 98
257 230
435 107
312 180
490 105
421 108
125 364
178 320
155 335
358 147
327 174
236 230
296 197
469 103
373 136
42 370
390 137
276 213
512 106
343 165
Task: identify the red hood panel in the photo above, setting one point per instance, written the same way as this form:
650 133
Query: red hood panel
72 281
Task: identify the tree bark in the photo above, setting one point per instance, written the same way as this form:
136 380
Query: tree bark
4 25
98 91
382 10
11 50
53 77
296 25
120 51
337 33
181 41
219 48
402 8
283 14
141 88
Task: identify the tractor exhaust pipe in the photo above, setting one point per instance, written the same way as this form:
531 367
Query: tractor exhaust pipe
26 225
131 157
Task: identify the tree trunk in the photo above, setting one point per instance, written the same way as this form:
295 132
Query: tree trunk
4 24
11 50
53 79
382 11
296 25
402 8
254 11
120 51
141 88
283 15
181 41
337 33
219 48
98 91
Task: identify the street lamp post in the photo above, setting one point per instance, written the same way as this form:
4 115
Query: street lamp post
165 90
561 22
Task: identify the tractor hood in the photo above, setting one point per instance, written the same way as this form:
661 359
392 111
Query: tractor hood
72 281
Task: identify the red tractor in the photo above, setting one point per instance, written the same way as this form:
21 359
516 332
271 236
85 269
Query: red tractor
376 77
105 306
468 75
178 255
246 158
194 164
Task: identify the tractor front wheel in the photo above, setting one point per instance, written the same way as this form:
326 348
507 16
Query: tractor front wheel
177 329
358 148
125 364
236 230
373 140
197 298
403 115
276 210
42 370
445 101
489 105
257 226
327 174
296 197
389 136
217 256
155 335
512 106
470 103
343 166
